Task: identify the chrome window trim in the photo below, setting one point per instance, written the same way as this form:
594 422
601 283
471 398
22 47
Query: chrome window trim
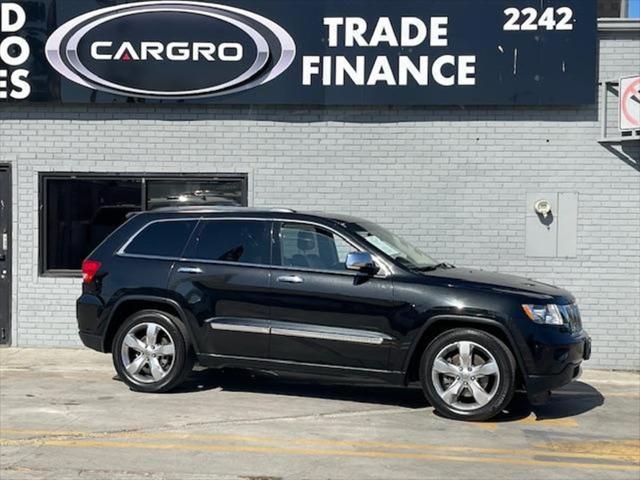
147 257
379 261
122 250
294 329
346 273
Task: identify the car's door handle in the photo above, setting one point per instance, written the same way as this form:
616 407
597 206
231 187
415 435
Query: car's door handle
290 279
194 270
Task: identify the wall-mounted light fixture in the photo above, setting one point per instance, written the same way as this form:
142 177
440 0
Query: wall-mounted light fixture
542 207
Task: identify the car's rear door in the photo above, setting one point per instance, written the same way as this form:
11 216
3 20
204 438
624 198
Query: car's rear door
223 284
321 312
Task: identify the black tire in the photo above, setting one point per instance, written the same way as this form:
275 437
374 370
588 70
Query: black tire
501 386
179 365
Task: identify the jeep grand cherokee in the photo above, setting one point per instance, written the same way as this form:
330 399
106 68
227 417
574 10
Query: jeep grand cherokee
320 294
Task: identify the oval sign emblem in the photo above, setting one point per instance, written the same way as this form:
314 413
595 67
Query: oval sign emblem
172 50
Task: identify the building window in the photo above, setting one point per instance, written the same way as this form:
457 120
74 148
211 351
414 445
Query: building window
78 211
618 8
166 193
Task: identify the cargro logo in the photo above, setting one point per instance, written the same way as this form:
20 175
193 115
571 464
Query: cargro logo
172 50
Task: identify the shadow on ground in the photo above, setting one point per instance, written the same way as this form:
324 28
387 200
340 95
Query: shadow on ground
291 385
574 399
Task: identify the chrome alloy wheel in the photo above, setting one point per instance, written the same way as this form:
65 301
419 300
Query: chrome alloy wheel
147 352
465 375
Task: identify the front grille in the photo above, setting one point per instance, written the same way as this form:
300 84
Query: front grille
571 316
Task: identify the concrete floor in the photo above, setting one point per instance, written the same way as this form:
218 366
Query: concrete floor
62 415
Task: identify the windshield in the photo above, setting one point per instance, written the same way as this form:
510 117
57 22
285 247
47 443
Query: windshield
391 244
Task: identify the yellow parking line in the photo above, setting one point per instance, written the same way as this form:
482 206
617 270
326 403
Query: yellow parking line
373 444
607 450
623 394
315 452
624 449
548 422
485 425
532 420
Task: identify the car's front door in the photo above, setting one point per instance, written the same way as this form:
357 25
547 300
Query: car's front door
322 313
223 281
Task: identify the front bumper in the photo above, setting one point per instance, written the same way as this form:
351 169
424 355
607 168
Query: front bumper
543 383
562 365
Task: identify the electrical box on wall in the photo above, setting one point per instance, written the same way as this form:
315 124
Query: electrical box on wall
551 224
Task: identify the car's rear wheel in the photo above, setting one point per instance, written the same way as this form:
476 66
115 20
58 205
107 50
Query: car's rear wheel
150 352
468 374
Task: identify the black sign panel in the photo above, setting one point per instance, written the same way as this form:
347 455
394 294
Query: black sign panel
141 64
326 52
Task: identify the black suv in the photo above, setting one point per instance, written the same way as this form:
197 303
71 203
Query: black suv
320 294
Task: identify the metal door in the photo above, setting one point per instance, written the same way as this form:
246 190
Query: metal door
324 316
5 255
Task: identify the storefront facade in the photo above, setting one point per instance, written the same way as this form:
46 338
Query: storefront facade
458 181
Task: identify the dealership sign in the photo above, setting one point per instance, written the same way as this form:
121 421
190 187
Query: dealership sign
427 52
170 50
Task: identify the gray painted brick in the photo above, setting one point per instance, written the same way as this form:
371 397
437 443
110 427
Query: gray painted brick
451 180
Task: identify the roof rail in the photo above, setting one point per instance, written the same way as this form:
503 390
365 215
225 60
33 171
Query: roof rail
215 209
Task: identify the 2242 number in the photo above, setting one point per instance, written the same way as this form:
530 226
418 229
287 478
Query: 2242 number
529 19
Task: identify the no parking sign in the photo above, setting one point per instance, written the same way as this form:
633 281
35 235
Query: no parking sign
630 103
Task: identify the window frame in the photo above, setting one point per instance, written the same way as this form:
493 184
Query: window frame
277 249
384 271
44 177
184 258
624 11
276 222
122 251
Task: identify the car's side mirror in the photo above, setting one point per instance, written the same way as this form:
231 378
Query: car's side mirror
362 262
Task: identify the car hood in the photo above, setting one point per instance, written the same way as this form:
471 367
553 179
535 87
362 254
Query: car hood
472 278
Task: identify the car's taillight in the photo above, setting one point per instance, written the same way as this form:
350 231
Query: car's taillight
89 270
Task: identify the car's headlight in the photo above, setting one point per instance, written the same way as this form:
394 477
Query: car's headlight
546 314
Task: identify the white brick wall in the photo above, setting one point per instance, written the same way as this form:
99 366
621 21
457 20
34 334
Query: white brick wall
452 180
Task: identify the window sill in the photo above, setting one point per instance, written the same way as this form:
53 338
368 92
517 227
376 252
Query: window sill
618 24
61 274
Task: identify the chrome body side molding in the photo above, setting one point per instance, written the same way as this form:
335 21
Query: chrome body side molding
291 329
320 332
246 325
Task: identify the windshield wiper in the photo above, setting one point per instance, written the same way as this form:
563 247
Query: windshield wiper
434 267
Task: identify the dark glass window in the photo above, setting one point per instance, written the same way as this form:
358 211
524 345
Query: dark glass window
308 246
232 241
81 212
175 193
162 239
618 8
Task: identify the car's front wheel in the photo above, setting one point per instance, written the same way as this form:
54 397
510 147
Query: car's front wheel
468 374
150 353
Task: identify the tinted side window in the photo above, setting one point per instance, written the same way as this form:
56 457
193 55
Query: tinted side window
232 241
308 246
162 239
